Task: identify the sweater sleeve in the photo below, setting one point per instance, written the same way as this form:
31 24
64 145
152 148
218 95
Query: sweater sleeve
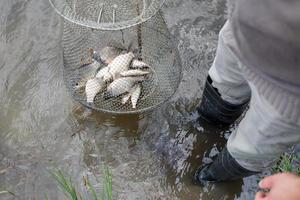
267 33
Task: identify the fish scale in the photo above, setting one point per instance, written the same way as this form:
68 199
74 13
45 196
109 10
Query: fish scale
136 95
119 64
123 85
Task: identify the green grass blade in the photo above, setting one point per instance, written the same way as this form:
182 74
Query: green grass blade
61 181
102 195
91 188
7 192
64 184
70 191
288 163
107 182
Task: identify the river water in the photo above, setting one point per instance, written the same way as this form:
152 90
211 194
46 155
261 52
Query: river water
151 157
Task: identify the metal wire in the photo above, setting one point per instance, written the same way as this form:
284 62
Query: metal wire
107 14
151 42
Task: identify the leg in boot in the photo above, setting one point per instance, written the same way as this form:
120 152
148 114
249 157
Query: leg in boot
224 168
259 140
263 135
226 92
215 110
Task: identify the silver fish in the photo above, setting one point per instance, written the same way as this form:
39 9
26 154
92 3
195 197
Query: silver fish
122 85
128 95
92 88
137 64
119 64
136 95
96 55
134 72
126 98
87 71
108 54
103 73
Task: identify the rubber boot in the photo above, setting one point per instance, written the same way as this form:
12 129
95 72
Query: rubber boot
215 110
224 168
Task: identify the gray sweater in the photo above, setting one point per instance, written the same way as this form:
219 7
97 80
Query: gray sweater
267 33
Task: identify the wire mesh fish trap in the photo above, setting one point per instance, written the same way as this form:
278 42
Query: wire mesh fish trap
107 14
132 68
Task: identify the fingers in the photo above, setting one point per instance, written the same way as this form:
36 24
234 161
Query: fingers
260 196
269 181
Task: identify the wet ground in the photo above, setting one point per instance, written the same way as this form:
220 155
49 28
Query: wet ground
151 156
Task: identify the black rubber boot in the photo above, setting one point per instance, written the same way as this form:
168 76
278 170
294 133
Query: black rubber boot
224 168
215 110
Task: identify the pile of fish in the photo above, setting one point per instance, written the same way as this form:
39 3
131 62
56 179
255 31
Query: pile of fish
121 75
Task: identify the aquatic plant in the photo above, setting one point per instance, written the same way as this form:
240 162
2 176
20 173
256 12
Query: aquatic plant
66 185
289 162
3 191
107 186
69 189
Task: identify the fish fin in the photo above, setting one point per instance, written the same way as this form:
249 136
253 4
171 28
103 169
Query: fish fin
84 63
90 100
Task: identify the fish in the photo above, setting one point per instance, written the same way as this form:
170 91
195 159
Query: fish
87 71
102 73
109 53
136 95
126 98
119 64
92 88
92 67
95 55
137 64
122 85
134 72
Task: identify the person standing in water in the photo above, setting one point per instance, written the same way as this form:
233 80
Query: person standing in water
257 64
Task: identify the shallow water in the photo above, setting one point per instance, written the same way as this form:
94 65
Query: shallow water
151 156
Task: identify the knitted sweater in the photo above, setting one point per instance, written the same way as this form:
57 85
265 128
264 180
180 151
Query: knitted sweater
267 35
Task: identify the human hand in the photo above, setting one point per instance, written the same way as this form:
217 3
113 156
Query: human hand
280 186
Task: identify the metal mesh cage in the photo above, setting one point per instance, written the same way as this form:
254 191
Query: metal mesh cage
151 43
107 14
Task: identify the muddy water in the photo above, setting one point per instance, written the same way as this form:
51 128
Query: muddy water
151 156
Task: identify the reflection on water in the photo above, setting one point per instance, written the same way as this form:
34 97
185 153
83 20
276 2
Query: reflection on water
151 156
